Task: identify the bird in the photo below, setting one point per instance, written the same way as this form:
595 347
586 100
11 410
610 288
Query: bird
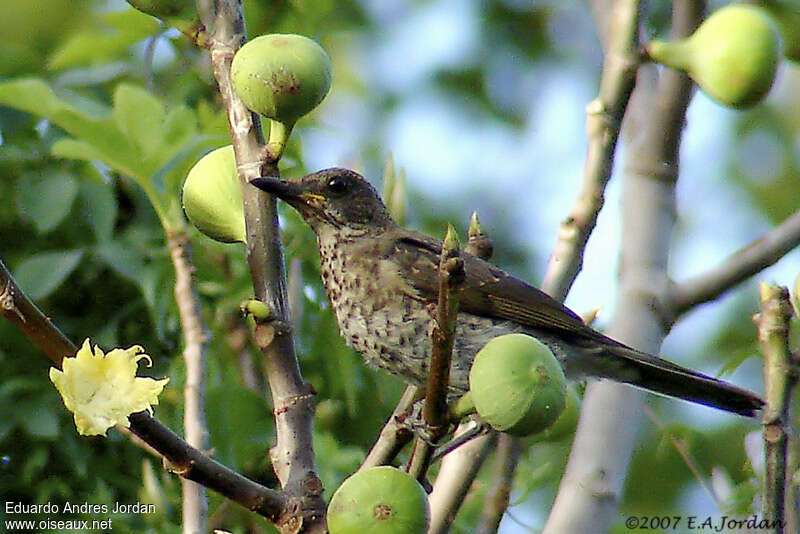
381 280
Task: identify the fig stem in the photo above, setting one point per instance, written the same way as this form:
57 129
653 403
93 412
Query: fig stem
279 133
463 407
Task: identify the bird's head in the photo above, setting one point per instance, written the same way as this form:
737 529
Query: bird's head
336 197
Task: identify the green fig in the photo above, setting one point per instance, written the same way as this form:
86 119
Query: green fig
380 500
733 56
181 14
212 197
567 421
281 76
517 385
786 14
164 9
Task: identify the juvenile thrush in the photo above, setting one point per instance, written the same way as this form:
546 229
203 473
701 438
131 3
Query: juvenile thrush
381 279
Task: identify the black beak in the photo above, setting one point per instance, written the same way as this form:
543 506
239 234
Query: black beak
282 189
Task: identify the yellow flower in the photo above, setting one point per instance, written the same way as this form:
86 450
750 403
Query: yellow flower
102 390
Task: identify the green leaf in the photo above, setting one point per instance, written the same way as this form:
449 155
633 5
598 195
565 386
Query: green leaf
46 200
171 175
99 44
139 116
238 423
82 118
98 204
74 149
124 259
41 274
38 421
179 127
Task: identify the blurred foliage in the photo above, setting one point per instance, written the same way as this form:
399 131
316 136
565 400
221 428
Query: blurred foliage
104 110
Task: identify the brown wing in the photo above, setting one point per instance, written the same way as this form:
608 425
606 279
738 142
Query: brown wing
487 291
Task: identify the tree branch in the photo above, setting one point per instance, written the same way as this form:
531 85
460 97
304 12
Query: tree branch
603 121
507 456
181 458
434 411
740 266
780 376
590 489
195 503
458 470
395 434
293 399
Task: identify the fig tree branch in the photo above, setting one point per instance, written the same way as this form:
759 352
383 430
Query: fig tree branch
592 483
293 398
603 122
434 412
195 503
394 435
618 27
780 377
496 502
740 266
180 457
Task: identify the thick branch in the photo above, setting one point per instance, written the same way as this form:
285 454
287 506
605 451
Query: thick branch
293 398
780 376
740 266
592 483
618 29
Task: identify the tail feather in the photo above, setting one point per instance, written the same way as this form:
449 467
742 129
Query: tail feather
624 364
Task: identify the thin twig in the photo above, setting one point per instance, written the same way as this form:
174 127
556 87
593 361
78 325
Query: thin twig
740 266
685 454
458 470
780 376
434 412
395 433
451 274
507 456
603 122
195 502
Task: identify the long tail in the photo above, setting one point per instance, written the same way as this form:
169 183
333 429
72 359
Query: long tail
623 364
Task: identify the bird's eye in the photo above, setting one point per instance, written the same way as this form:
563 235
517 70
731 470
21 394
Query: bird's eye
337 184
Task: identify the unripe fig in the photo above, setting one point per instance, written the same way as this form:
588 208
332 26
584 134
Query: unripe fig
281 76
786 14
380 500
566 423
517 385
733 55
164 9
212 197
181 14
